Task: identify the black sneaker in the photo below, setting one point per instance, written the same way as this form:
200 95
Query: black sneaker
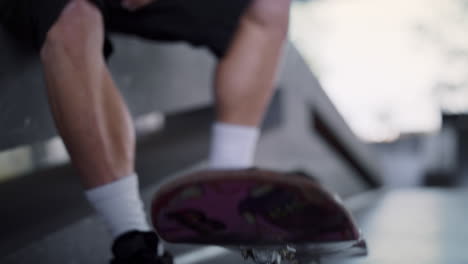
138 248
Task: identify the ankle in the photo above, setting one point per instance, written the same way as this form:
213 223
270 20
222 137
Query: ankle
120 206
233 146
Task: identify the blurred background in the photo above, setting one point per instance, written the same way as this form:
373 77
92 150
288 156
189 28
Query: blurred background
397 73
372 100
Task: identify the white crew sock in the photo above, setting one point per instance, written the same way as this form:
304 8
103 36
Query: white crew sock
233 146
119 205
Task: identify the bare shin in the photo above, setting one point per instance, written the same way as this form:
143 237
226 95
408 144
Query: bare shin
89 111
246 76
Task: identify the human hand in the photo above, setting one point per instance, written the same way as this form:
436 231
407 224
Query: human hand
133 5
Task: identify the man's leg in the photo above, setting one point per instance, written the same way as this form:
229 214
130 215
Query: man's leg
91 116
245 81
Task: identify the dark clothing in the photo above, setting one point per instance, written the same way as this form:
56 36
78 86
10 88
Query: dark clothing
210 23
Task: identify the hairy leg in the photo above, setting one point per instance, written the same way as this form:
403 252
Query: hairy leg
90 114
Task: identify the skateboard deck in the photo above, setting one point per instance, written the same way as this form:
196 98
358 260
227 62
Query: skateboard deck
269 216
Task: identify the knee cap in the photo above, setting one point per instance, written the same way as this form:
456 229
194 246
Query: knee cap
270 13
79 21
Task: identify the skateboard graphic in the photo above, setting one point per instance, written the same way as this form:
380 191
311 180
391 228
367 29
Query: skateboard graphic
270 217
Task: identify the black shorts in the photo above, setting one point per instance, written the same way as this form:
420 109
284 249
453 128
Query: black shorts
210 23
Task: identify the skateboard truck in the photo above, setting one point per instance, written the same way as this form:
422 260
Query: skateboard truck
269 255
302 254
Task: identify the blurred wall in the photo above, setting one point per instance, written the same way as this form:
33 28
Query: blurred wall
421 159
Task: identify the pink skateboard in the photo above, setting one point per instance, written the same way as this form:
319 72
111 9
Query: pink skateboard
270 216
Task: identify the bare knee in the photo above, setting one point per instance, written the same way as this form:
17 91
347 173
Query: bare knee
78 31
272 15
